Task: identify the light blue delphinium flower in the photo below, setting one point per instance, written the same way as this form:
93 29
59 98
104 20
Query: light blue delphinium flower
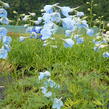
43 75
40 19
80 40
33 35
68 23
29 30
48 94
48 8
68 33
106 54
4 20
22 38
46 33
37 29
57 103
47 17
99 42
51 26
80 14
6 47
3 13
37 22
7 40
3 31
76 37
65 11
83 24
51 83
3 53
96 48
99 46
56 17
68 42
45 92
90 32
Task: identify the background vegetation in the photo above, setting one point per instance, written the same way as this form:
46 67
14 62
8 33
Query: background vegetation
25 6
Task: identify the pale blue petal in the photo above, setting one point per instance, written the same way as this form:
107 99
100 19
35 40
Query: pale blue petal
48 8
90 32
68 33
3 31
7 40
46 33
3 13
3 54
106 54
65 11
57 104
68 43
80 40
21 39
80 14
4 20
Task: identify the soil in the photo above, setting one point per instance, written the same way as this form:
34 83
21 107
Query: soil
4 80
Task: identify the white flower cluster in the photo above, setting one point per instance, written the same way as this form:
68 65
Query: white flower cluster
102 41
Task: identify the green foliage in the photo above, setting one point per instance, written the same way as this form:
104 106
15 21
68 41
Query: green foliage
82 57
81 73
87 92
25 6
24 94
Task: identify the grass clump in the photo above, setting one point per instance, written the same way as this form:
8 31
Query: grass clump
79 58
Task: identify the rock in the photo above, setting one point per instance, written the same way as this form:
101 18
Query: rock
2 89
4 80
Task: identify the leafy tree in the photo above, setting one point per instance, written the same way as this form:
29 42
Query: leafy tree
25 6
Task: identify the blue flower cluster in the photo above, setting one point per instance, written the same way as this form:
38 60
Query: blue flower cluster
54 16
50 84
4 39
74 25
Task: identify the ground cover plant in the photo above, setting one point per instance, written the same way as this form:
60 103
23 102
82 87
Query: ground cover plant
68 69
